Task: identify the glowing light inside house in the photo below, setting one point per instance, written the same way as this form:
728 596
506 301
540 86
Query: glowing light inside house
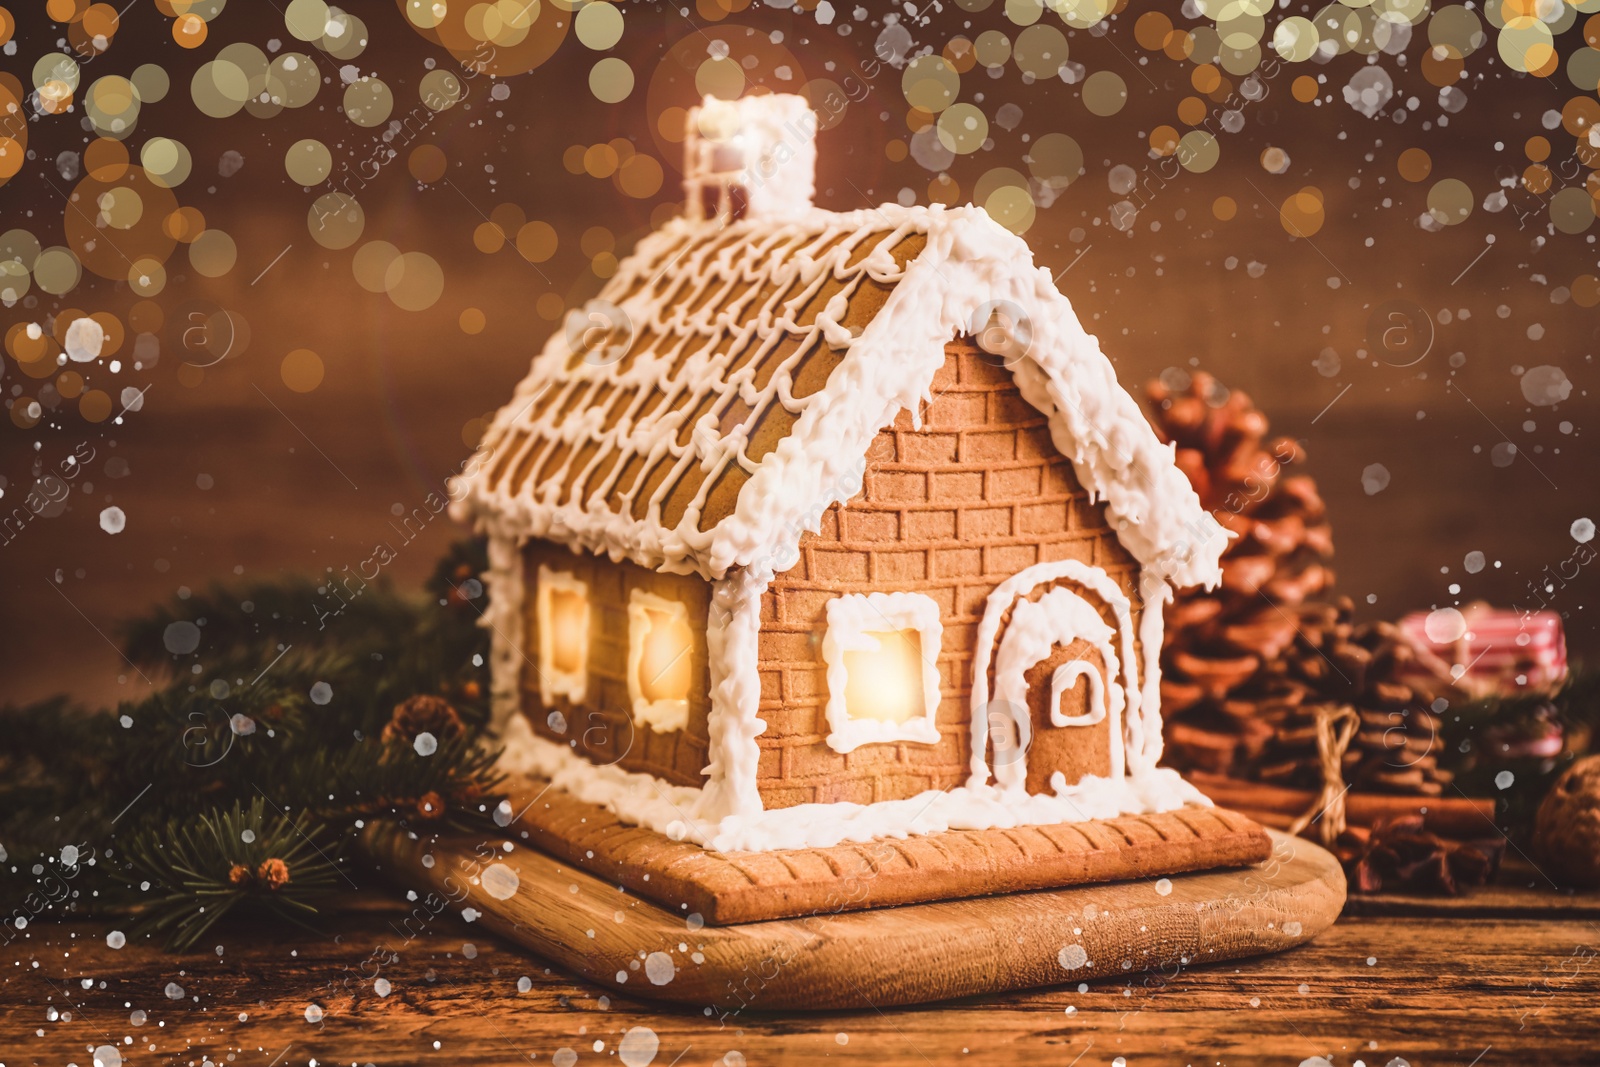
569 630
664 666
886 683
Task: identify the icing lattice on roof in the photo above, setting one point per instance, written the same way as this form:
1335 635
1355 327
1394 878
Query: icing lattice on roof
735 375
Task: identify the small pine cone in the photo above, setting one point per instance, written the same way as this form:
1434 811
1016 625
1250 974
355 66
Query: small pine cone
430 805
423 714
274 874
239 874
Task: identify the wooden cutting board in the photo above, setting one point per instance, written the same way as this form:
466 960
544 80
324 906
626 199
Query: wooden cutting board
886 956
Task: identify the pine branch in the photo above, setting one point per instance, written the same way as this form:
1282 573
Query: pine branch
299 725
235 859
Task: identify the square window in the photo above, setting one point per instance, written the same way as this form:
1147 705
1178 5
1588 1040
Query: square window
561 608
660 661
882 653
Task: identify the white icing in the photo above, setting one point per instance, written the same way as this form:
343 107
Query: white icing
968 265
733 628
503 620
1036 628
641 799
1156 594
662 714
971 262
672 810
1056 618
1095 580
850 619
554 682
1065 679
971 274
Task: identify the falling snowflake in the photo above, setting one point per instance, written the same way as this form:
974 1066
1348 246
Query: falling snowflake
659 968
638 1046
1445 626
500 881
1545 386
85 339
181 638
1369 90
1375 478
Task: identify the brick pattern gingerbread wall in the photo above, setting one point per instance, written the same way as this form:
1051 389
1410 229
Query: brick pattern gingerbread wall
603 727
949 511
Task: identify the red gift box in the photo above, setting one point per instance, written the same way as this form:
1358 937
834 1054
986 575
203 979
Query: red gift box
1490 651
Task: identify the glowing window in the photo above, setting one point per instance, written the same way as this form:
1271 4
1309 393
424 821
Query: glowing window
883 680
660 661
561 608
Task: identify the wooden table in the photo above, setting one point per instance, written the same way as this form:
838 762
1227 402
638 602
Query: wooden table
1461 990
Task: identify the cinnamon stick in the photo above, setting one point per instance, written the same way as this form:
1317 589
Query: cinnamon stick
1277 806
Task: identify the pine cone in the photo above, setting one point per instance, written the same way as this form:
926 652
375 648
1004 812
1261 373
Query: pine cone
1248 667
1334 661
1220 640
423 714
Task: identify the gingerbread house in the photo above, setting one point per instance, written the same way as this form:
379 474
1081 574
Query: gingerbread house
819 526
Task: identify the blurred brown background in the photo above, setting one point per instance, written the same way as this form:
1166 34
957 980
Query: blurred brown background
230 472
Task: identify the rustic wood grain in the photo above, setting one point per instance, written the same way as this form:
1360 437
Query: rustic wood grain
1437 992
740 887
855 959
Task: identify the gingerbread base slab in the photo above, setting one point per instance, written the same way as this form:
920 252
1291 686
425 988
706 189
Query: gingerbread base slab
739 887
872 959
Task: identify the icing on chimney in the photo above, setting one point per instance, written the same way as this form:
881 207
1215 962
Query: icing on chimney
755 157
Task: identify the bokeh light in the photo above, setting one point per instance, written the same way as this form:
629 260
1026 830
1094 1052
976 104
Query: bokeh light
308 162
301 370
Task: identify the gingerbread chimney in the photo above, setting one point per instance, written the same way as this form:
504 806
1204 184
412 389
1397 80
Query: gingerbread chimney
754 157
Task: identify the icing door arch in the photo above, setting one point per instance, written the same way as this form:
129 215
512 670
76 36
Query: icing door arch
1056 677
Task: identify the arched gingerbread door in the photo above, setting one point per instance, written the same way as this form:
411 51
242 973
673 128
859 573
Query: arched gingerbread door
1067 712
1056 671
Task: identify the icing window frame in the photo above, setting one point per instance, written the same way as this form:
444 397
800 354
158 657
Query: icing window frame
852 619
554 680
661 714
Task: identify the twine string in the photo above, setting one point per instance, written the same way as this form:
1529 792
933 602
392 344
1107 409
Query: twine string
1336 727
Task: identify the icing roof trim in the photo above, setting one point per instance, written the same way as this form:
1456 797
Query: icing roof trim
972 277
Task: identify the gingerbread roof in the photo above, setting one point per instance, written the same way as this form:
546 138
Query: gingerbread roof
734 374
